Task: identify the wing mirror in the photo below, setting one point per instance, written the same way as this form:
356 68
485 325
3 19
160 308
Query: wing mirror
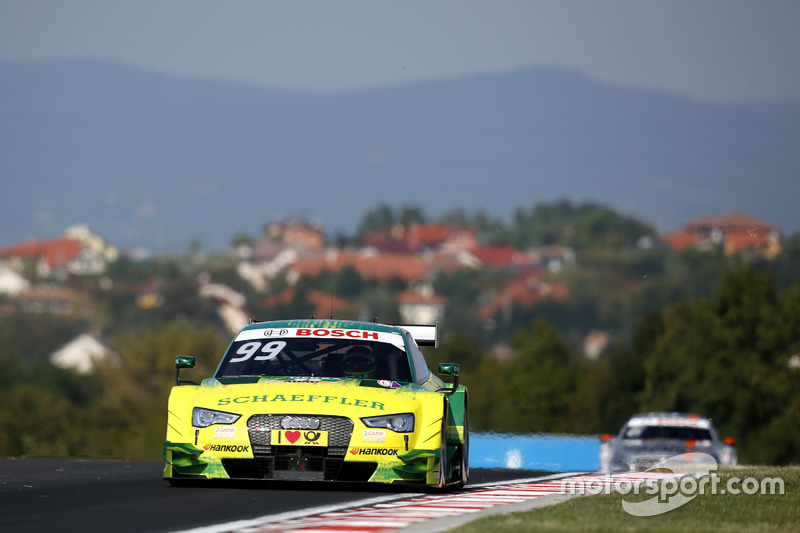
450 369
183 362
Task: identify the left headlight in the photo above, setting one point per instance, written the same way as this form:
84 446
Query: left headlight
403 423
202 418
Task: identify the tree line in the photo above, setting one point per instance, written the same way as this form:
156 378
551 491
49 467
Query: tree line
733 356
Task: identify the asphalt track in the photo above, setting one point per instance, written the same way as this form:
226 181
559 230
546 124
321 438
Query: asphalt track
46 495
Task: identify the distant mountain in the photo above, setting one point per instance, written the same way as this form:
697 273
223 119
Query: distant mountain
157 161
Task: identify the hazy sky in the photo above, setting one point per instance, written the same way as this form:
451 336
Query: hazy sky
714 50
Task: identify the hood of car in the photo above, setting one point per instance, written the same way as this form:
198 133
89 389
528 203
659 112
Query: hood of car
306 395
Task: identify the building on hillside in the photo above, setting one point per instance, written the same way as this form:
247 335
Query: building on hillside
57 258
231 304
94 242
735 232
554 257
11 281
296 232
522 292
421 306
421 237
281 245
48 299
594 344
82 354
370 265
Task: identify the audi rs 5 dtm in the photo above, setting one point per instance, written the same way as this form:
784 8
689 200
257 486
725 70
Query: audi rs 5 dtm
321 400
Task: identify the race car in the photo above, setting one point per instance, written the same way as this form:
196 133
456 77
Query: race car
650 438
321 400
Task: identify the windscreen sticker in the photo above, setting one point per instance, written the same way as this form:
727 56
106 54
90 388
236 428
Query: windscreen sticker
670 421
395 339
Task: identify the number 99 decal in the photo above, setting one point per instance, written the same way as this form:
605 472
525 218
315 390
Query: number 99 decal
247 350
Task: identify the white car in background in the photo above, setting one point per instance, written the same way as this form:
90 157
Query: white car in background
650 438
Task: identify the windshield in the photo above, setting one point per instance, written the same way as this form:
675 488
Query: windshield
667 432
307 357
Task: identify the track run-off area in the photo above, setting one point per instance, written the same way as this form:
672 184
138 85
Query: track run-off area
45 495
438 512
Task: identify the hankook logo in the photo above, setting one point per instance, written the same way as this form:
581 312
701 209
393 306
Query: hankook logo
226 448
372 451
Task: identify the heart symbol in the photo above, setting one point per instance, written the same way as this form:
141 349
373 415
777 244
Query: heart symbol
292 436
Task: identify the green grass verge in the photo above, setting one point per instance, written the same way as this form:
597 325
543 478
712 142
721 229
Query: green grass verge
706 512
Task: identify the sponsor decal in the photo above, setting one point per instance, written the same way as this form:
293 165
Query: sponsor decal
317 398
372 451
276 332
373 435
388 384
290 437
694 422
225 432
330 332
238 448
323 332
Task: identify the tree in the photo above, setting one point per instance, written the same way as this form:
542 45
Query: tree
542 378
727 357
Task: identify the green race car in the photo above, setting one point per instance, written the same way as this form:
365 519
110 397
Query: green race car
321 400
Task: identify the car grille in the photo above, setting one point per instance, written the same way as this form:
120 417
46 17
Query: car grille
640 463
293 462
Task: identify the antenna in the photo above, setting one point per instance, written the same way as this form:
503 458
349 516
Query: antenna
331 305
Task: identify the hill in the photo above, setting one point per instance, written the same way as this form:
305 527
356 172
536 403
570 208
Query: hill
157 161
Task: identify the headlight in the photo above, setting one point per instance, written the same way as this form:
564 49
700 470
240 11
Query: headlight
202 418
403 423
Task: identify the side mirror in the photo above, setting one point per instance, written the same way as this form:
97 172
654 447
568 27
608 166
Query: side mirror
182 361
450 369
605 437
730 441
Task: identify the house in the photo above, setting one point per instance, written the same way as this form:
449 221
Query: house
82 354
82 254
523 292
369 264
735 232
296 232
281 245
418 237
11 281
421 306
47 299
594 344
230 303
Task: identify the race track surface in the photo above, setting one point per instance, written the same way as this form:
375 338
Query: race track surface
46 495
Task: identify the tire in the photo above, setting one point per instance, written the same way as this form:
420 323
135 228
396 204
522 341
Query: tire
462 455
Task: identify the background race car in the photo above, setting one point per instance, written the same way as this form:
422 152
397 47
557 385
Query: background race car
651 438
321 400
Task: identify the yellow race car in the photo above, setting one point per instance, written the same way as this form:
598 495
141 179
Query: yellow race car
321 400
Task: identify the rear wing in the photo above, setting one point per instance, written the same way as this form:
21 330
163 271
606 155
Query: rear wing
424 335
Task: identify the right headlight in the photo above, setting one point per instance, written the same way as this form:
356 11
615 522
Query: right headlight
403 423
202 418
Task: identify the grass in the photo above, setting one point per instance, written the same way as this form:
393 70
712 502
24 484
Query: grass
705 513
